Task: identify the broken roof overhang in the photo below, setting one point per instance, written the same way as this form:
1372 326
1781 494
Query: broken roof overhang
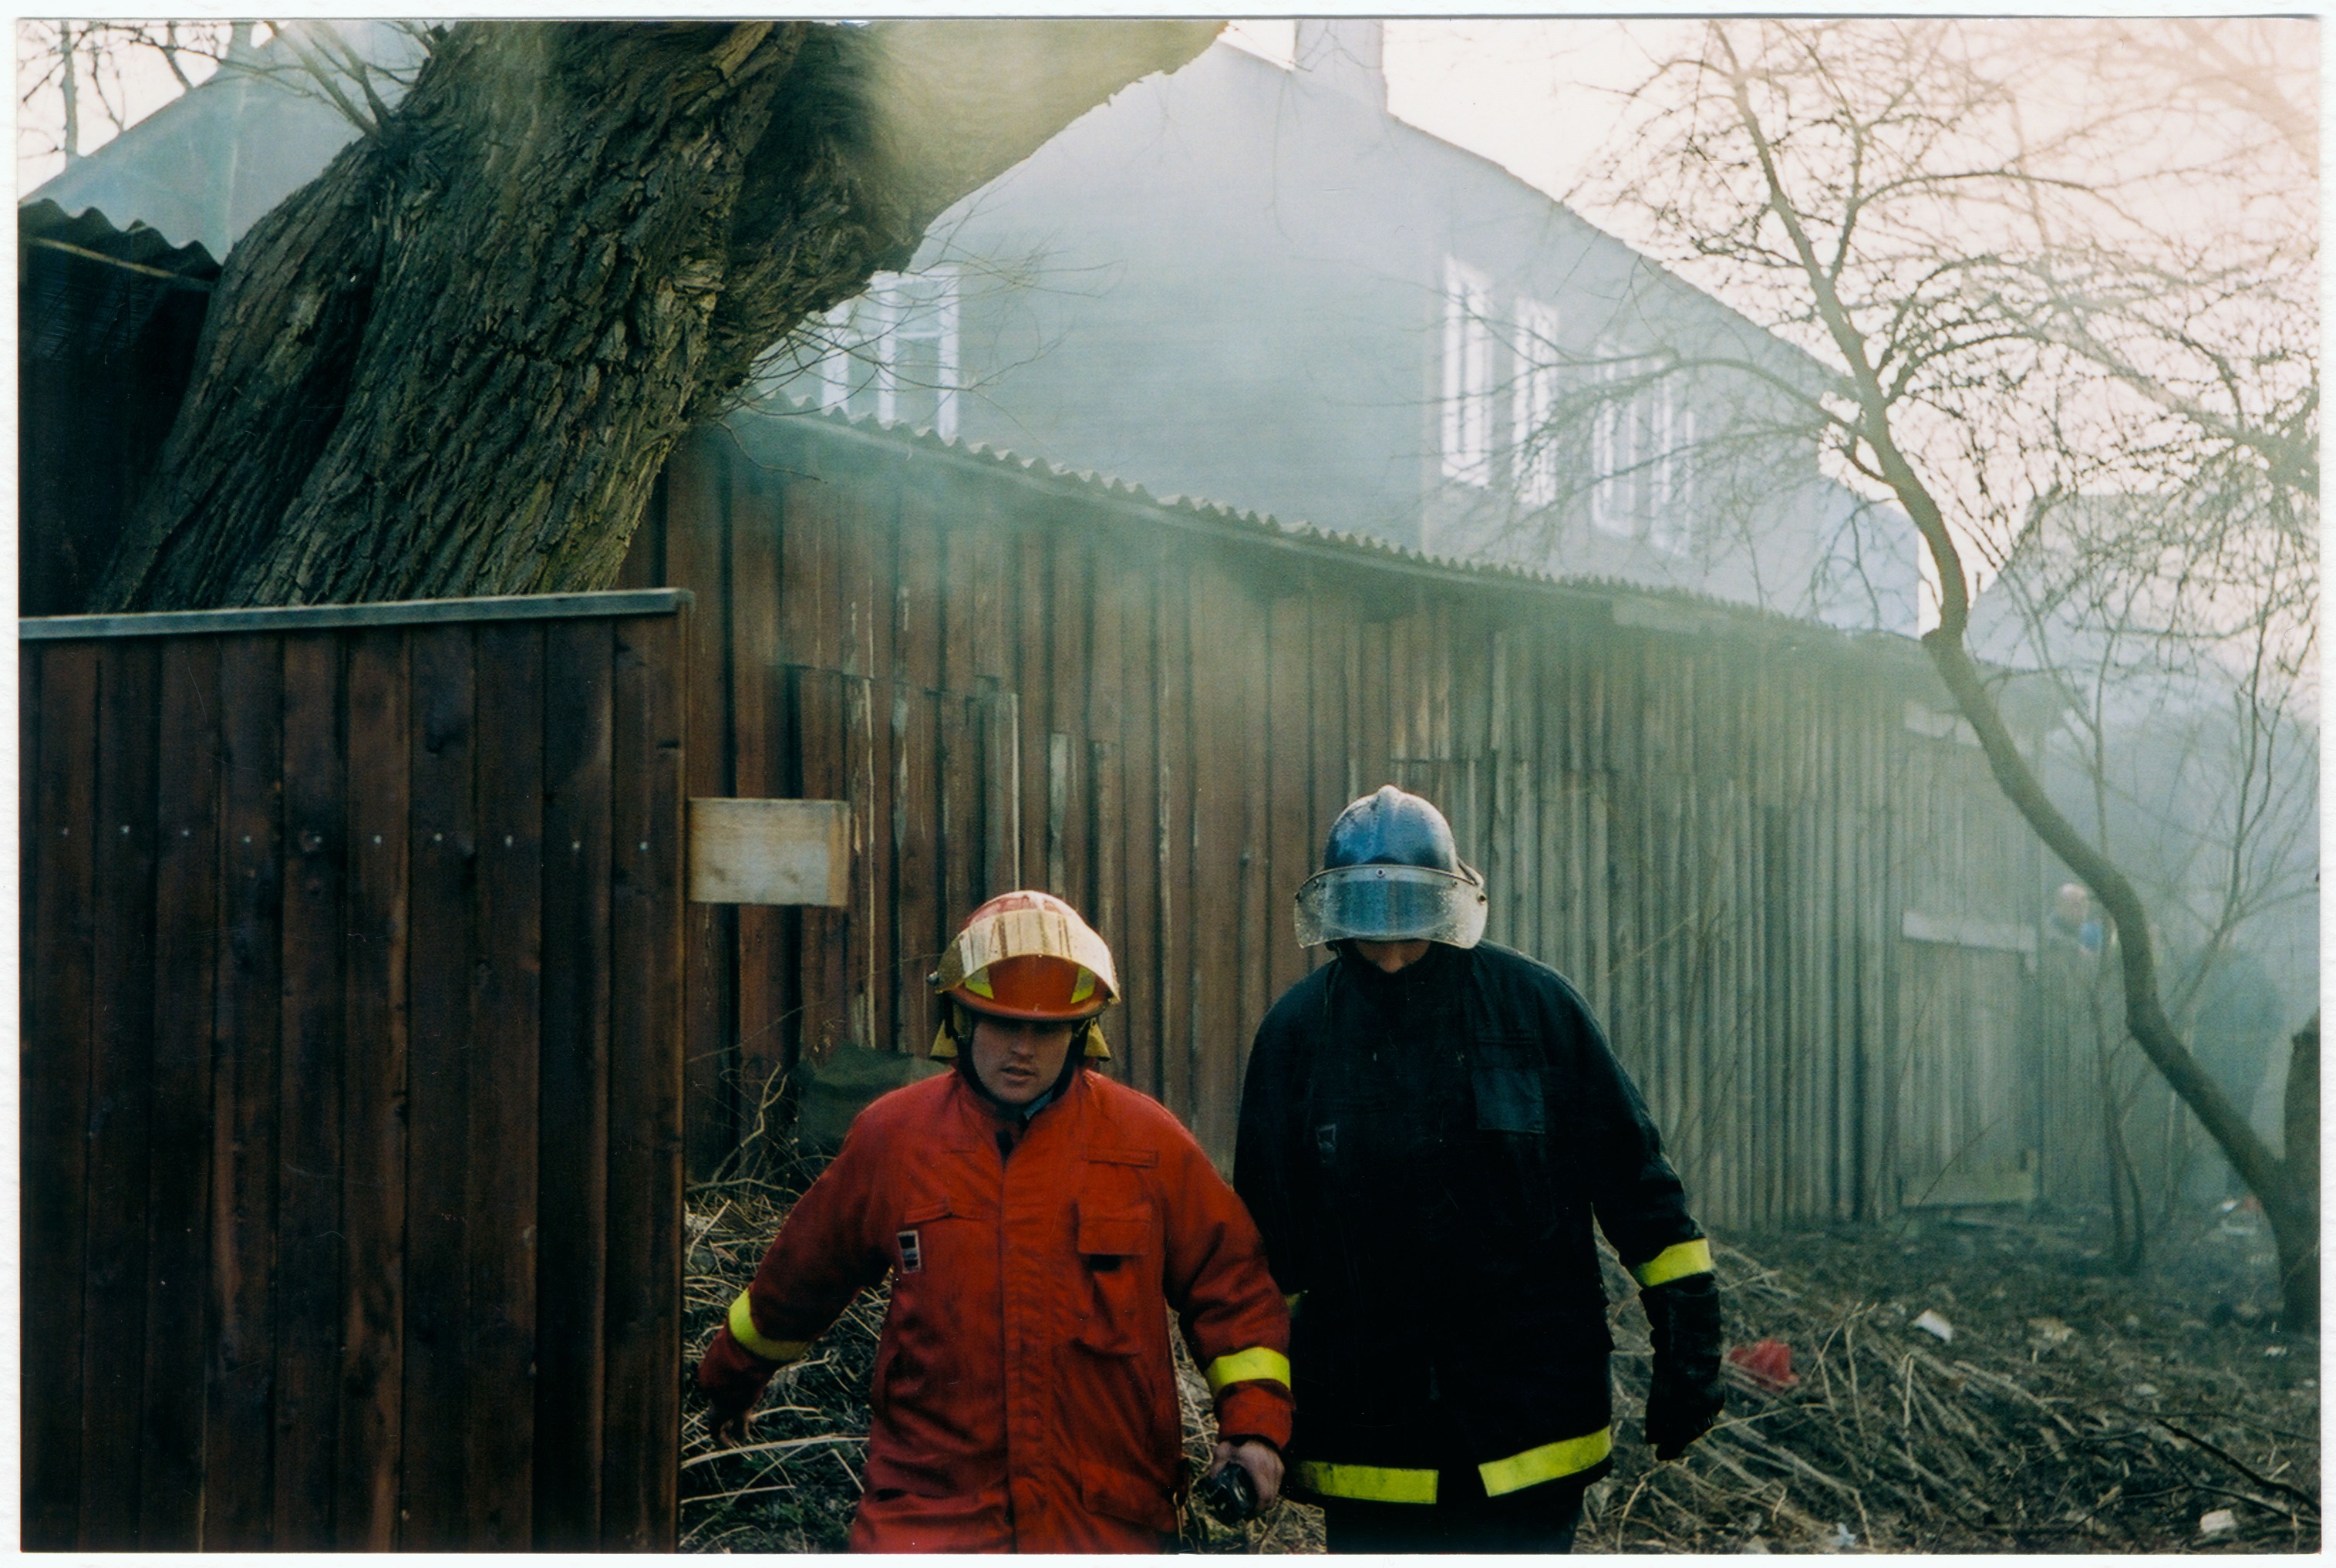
109 285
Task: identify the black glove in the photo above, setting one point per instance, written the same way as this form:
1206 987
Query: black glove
1684 1399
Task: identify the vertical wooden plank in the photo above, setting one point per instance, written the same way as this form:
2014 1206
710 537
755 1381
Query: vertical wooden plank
1061 767
239 1425
916 910
372 1092
954 586
1219 689
1337 637
121 1087
1102 830
1103 891
572 1158
758 770
813 628
308 1134
186 961
439 949
641 1442
1290 769
958 721
1523 719
697 557
988 547
1175 781
1070 634
861 951
1030 590
1375 754
1002 724
506 1025
867 549
1253 745
60 694
1135 590
825 997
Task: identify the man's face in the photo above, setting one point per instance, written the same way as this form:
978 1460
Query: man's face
1392 956
1016 1061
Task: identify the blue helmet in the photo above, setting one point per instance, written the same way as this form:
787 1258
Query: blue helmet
1391 874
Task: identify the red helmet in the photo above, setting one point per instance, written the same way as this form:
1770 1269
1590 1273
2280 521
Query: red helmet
1027 955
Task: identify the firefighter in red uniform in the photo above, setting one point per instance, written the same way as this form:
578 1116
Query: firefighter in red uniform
1038 1220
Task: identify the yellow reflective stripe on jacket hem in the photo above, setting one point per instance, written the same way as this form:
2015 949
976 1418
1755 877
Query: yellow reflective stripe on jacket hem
1546 1463
1674 1263
742 1329
1260 1365
1367 1482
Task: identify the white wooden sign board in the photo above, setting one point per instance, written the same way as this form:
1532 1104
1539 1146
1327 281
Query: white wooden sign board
769 851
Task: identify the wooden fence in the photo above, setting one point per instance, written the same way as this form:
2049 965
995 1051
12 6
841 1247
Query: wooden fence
1708 817
350 1077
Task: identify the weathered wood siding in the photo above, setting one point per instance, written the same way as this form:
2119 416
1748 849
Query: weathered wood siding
351 1078
1705 817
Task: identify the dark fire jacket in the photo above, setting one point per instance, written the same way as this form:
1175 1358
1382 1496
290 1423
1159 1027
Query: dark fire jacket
1423 1153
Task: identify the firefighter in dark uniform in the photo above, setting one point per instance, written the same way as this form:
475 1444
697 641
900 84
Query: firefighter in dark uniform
1428 1126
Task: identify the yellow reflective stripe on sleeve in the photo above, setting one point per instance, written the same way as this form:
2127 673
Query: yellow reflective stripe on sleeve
742 1329
1261 1365
1367 1482
1546 1463
1674 1264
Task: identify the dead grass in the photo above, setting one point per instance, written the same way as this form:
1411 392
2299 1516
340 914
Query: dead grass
2072 1411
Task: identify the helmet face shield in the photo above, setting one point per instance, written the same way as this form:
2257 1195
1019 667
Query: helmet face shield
1384 903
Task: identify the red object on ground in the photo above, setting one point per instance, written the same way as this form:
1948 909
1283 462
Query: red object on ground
1024 1394
1769 1363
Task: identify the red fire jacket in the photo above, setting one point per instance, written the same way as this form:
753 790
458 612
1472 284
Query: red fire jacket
1024 1395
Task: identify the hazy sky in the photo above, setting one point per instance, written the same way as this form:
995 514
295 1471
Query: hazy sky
1533 95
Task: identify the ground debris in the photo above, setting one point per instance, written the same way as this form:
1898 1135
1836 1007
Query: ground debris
2031 1432
2074 1410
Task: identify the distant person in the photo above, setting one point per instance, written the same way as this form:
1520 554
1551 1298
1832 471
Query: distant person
1429 1124
1038 1221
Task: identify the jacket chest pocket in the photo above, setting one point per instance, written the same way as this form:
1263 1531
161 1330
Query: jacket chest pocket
1505 1074
1508 1100
1521 1199
1115 1242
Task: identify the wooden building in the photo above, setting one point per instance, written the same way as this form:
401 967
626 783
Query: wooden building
1758 845
350 1085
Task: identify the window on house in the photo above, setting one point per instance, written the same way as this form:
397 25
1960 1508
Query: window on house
1534 446
1467 375
1642 450
1670 504
1614 461
894 352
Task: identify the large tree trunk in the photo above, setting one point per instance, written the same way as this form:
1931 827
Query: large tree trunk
455 361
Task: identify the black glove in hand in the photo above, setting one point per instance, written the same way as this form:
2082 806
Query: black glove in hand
1684 1398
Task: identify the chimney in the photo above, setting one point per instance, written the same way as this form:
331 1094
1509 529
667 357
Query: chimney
1346 54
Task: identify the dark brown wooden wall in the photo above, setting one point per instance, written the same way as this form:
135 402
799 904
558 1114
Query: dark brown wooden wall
1013 677
351 1079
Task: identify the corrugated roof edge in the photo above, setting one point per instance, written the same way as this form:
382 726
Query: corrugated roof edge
91 229
1630 603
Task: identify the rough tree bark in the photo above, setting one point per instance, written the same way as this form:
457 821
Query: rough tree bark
454 363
